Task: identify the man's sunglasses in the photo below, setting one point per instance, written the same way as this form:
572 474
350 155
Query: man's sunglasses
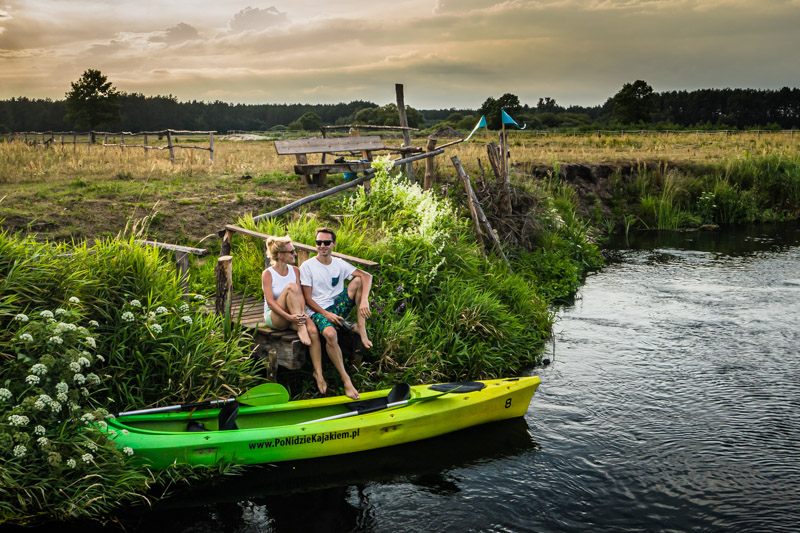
324 243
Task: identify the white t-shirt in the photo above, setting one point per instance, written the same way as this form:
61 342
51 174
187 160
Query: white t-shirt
326 281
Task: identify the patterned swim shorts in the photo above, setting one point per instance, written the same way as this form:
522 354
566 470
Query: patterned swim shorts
342 306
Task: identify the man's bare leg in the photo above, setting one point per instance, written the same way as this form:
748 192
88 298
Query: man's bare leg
335 354
354 293
315 352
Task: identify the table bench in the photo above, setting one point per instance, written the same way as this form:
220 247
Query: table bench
356 147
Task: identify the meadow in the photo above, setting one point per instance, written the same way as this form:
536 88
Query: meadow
70 192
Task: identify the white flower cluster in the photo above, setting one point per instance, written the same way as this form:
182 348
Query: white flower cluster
87 458
62 388
32 379
46 314
39 430
187 319
71 463
84 362
94 323
39 369
5 394
92 446
155 328
20 450
128 450
61 327
127 316
75 366
93 379
21 318
74 300
90 342
161 310
80 379
136 303
42 402
42 441
18 420
55 339
184 308
60 311
26 337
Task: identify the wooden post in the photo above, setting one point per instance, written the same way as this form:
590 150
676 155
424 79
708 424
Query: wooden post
481 214
74 141
472 211
224 277
225 247
482 181
302 256
182 266
89 140
121 142
144 142
495 160
401 111
429 168
105 139
169 145
507 174
211 145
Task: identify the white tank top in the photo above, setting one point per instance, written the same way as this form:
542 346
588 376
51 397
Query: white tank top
280 282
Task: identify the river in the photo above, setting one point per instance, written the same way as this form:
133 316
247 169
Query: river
672 403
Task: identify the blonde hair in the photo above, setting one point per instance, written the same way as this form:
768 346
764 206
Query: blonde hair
276 245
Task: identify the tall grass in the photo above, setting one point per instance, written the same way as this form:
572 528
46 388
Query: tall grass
84 332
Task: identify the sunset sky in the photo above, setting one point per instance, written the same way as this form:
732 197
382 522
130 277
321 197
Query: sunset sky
448 53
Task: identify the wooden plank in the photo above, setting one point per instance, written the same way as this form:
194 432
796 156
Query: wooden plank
321 144
300 246
333 168
174 247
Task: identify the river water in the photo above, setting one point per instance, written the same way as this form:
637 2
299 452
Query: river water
672 404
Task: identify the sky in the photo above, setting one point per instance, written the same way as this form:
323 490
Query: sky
446 53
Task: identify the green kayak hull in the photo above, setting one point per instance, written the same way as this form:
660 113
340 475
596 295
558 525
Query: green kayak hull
294 430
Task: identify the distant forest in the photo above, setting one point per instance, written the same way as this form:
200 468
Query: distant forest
633 106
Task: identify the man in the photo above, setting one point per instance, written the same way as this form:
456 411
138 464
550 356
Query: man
328 302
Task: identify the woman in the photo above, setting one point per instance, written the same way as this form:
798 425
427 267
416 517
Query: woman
284 305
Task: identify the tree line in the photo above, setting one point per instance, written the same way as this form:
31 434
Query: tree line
93 102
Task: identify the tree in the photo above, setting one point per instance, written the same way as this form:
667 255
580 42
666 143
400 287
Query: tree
634 103
93 101
309 122
491 109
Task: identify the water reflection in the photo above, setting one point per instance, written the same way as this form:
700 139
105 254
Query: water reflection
333 494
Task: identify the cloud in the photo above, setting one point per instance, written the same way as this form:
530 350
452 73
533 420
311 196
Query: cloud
255 19
176 34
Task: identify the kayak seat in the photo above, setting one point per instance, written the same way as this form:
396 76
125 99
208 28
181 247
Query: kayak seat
227 416
399 392
194 425
459 388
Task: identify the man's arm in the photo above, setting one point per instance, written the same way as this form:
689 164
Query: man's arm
366 286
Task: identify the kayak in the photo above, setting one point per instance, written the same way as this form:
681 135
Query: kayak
304 429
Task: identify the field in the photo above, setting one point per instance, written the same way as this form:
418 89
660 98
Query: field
71 192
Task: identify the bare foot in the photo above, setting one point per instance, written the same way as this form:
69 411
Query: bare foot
362 332
302 334
351 391
322 385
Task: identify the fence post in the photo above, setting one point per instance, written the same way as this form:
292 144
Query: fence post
169 145
121 142
211 145
144 142
429 168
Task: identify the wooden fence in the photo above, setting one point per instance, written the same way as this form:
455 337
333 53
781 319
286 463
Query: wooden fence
117 139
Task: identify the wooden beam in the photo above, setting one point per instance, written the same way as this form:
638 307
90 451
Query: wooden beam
316 145
174 247
429 167
368 175
224 277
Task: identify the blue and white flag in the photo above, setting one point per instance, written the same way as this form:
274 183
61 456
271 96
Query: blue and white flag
481 123
509 120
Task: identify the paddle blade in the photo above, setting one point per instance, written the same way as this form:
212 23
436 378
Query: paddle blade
264 394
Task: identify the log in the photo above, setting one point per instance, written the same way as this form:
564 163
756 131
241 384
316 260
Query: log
482 217
169 145
495 160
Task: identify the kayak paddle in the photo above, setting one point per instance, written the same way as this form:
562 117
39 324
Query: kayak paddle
264 394
390 404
